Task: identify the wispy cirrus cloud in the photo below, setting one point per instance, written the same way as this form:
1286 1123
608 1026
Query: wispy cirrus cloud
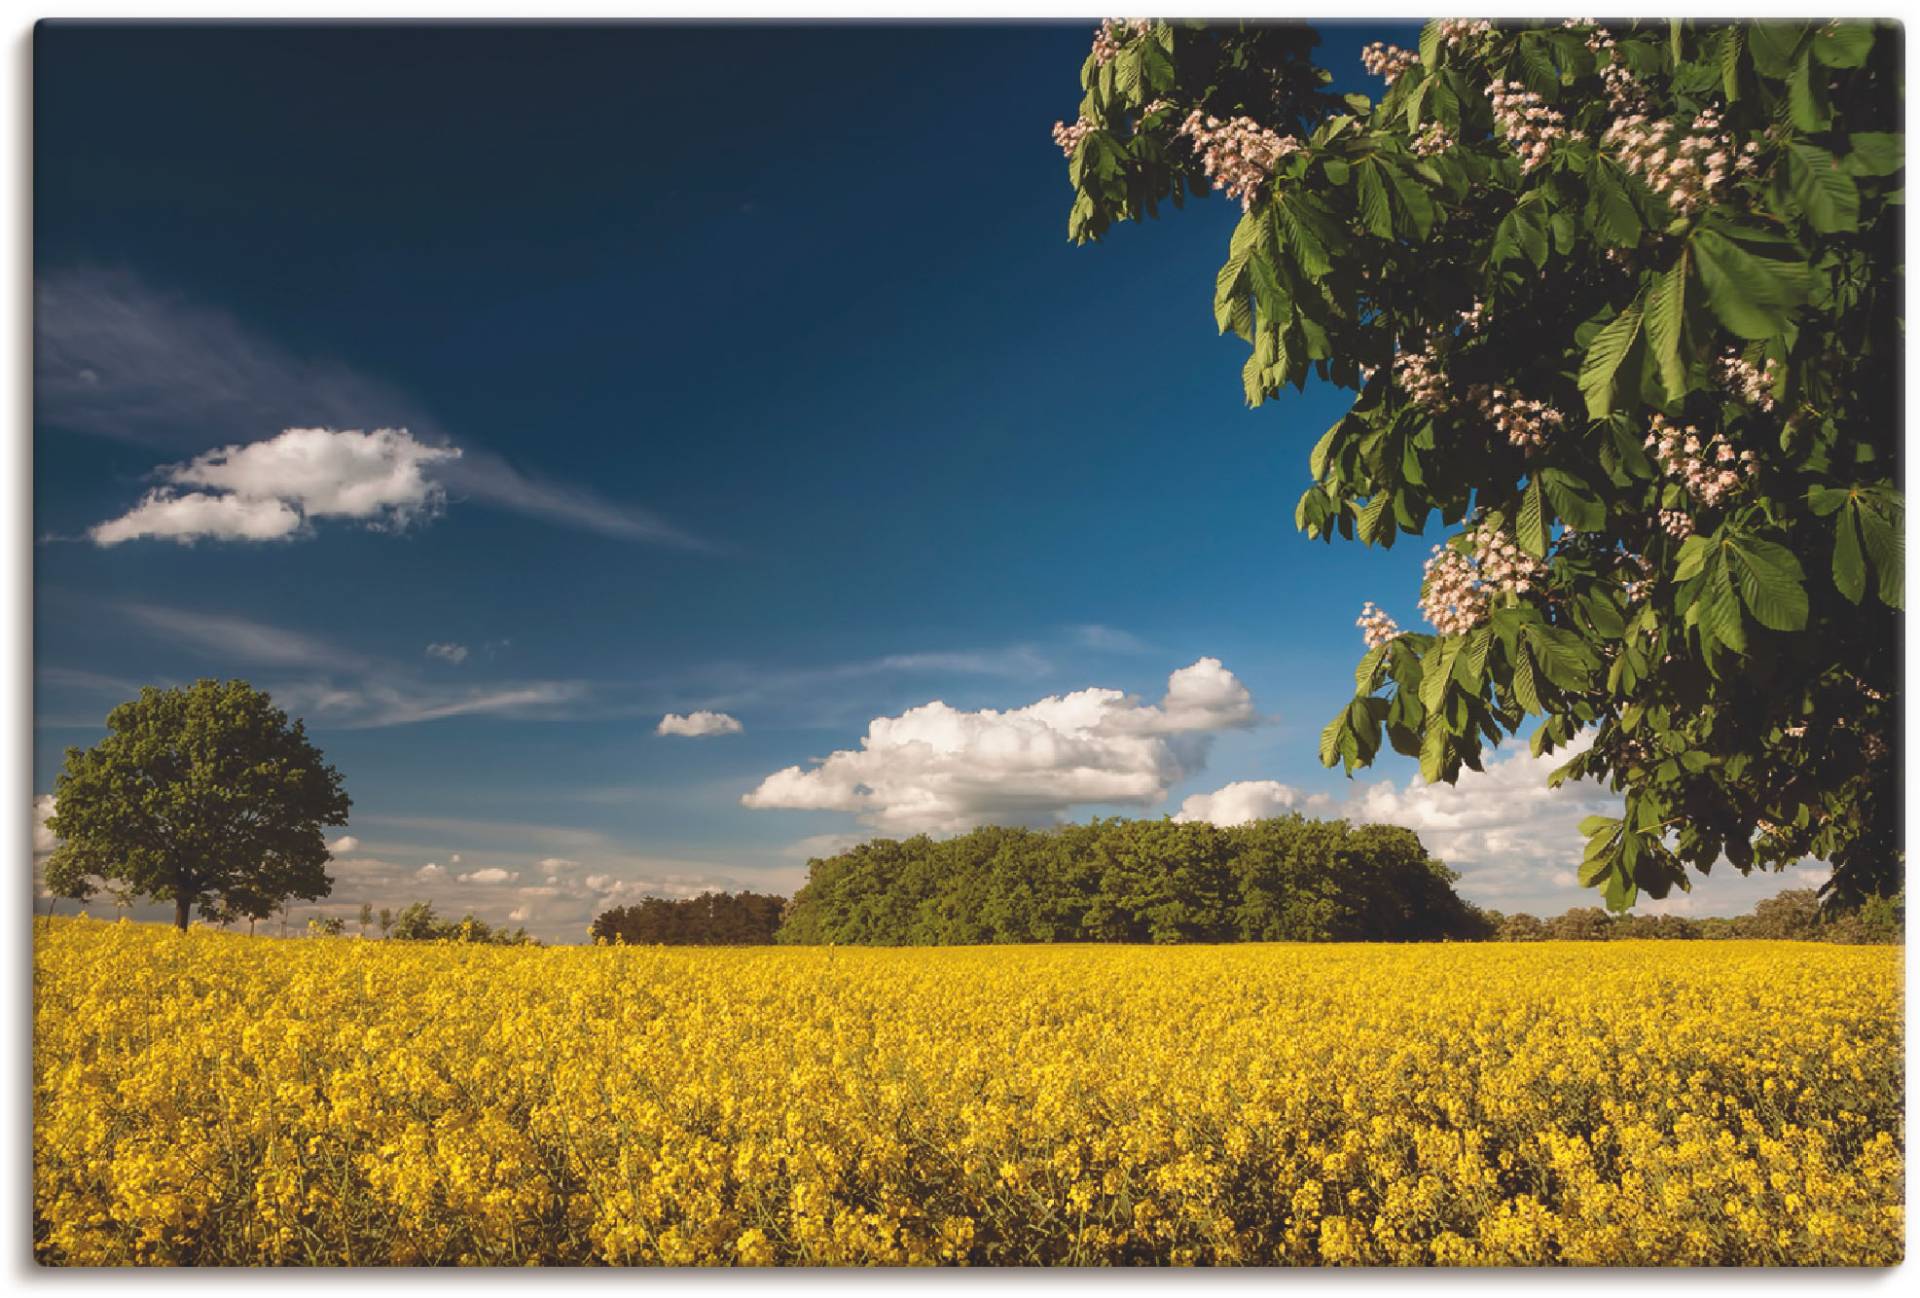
339 687
116 357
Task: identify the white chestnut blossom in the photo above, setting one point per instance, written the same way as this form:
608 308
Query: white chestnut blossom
1239 154
1387 61
1113 33
1748 382
1069 137
1528 125
1375 626
1458 590
1687 165
1455 32
1706 465
1433 138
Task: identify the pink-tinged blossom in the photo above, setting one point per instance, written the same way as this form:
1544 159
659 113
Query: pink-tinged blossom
1455 32
1113 34
1526 424
1688 165
1375 626
1433 138
1239 155
1069 137
1458 591
1697 462
1419 375
1387 61
1528 125
1748 382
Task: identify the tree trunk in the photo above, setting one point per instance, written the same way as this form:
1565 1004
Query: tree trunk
182 908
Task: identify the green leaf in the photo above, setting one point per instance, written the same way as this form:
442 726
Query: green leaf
1430 46
1773 45
1330 739
1366 677
1433 751
1437 671
1875 153
1720 609
1755 297
1772 585
1886 544
1807 97
1600 369
1849 565
1843 44
1693 557
1371 193
1525 689
1609 210
1531 526
1731 44
1573 501
1825 193
1666 321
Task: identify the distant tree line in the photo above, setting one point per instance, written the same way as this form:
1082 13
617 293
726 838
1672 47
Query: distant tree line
1795 915
419 923
711 919
1118 880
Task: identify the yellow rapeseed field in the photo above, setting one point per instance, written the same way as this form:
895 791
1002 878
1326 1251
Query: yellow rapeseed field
212 1098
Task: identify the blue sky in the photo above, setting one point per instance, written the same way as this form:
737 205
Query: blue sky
778 392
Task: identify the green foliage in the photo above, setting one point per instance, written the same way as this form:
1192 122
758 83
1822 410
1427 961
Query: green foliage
711 919
1117 880
205 795
1732 653
1793 915
419 923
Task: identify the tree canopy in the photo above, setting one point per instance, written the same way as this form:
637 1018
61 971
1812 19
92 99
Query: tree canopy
205 795
710 919
1622 308
1117 880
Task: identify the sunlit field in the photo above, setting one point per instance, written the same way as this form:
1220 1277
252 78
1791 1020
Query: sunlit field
213 1098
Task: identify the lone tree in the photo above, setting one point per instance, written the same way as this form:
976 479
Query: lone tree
1622 307
205 795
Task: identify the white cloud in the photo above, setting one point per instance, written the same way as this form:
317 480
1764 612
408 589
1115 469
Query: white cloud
1107 639
822 845
116 358
272 489
344 844
938 768
492 874
43 839
454 859
696 724
1512 837
431 872
1247 800
448 652
194 516
348 690
239 639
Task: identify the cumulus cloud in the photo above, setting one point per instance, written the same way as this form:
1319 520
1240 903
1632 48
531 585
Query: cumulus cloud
696 724
1248 800
492 874
43 839
447 651
344 844
431 872
941 769
116 357
193 516
1508 833
272 489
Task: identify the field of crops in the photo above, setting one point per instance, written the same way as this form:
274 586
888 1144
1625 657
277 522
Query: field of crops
213 1098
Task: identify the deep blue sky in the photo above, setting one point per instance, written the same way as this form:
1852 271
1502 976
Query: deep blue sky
802 294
